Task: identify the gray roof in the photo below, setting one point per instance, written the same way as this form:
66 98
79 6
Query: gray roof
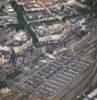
5 34
51 78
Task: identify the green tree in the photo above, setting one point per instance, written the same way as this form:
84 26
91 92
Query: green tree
92 5
2 8
62 8
3 84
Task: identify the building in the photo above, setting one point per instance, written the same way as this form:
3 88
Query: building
6 60
49 28
52 21
7 15
65 71
11 94
18 40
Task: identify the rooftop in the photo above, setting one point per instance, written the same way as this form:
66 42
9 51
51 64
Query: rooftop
9 36
51 78
45 30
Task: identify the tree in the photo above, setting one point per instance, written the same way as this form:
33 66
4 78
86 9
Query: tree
62 8
92 5
3 84
2 7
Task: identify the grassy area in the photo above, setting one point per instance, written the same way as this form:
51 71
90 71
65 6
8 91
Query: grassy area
14 74
22 24
83 11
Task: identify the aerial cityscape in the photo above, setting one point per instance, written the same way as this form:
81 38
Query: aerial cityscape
48 49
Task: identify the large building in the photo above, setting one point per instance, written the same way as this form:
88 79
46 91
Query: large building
60 78
52 21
